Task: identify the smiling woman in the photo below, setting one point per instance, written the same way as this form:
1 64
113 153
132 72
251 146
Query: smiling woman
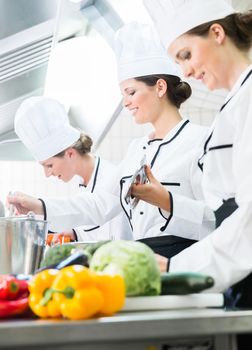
213 35
198 58
153 92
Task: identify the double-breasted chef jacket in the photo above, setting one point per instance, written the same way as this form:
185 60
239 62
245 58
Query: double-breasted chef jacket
173 162
226 254
118 227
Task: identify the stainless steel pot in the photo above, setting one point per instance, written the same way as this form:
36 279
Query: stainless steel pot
22 244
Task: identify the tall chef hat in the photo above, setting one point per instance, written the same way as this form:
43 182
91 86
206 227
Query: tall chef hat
173 18
42 125
139 52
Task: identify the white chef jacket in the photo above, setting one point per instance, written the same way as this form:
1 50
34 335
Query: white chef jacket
116 228
226 254
173 163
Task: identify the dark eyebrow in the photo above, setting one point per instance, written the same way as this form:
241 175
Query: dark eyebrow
178 55
128 88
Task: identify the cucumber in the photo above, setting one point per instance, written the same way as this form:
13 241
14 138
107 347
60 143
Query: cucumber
184 283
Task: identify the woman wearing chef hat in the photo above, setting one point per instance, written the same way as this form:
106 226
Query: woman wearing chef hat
211 42
153 93
43 126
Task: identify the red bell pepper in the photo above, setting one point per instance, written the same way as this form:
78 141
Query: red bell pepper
10 308
11 288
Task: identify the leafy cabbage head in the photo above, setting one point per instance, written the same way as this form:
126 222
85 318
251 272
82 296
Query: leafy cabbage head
135 261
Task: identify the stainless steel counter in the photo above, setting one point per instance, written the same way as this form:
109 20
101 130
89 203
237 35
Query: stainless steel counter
154 330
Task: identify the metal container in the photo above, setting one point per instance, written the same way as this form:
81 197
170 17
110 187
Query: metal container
22 244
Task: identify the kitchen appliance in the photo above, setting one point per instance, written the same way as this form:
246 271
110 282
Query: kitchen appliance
22 243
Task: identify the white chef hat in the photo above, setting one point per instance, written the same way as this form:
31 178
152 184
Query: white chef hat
139 52
43 126
173 18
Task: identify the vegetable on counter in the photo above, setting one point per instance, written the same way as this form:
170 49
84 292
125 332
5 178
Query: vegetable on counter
181 283
113 290
77 258
75 292
90 248
13 296
56 254
40 300
11 287
9 308
134 261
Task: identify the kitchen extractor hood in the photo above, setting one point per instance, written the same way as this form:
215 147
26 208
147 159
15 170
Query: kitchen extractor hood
26 40
30 29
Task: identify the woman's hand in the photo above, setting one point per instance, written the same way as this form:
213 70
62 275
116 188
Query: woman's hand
24 203
59 238
162 262
152 192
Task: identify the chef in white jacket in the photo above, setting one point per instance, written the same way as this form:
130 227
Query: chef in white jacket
211 43
65 152
153 93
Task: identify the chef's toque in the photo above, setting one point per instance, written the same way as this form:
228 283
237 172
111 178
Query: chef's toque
173 18
43 126
139 52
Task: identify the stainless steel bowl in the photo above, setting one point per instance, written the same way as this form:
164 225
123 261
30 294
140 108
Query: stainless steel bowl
22 244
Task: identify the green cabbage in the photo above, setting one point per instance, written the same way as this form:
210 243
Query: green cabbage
135 261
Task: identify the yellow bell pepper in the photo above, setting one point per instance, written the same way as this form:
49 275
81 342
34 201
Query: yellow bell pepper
114 291
40 298
76 293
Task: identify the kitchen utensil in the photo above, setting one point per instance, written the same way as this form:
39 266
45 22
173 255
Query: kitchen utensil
139 177
22 243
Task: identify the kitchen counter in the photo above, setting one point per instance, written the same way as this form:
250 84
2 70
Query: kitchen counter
148 330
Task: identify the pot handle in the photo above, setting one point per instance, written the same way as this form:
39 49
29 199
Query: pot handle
31 215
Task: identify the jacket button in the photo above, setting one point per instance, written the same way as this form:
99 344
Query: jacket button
141 213
144 147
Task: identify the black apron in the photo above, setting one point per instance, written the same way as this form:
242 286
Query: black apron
167 246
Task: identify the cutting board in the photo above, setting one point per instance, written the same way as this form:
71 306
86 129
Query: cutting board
165 302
